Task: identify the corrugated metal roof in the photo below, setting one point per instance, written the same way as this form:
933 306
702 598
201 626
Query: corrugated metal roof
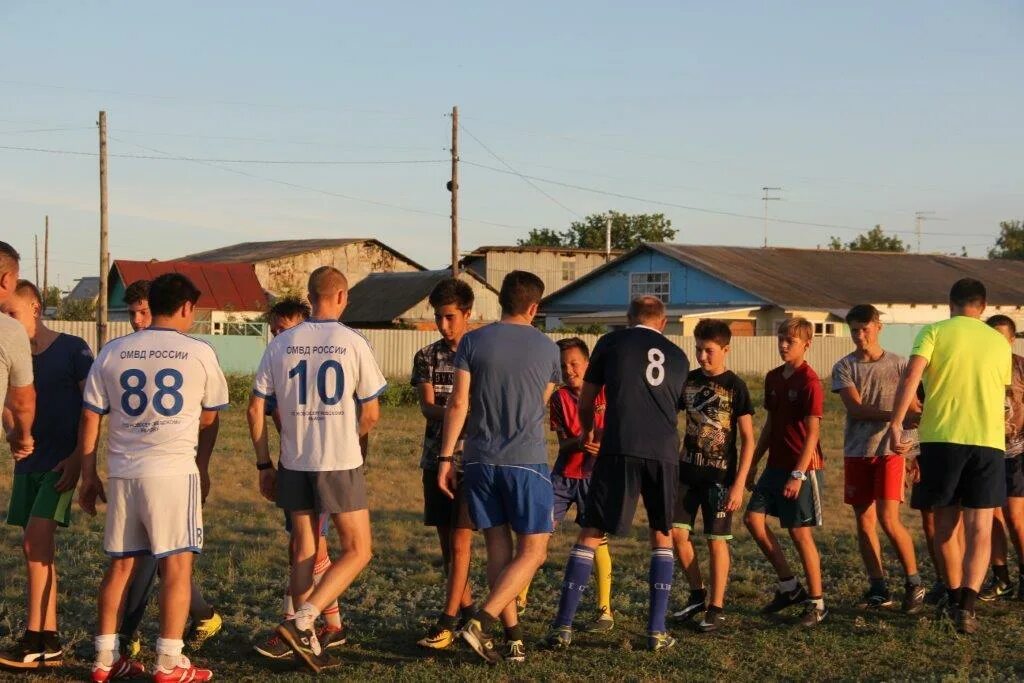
382 298
224 286
251 252
87 288
480 251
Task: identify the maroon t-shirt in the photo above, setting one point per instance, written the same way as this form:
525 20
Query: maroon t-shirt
789 402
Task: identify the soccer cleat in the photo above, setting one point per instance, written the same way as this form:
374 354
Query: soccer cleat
966 621
184 672
203 630
332 637
438 638
876 598
712 621
273 647
130 648
994 589
695 604
782 600
482 643
913 599
813 615
660 640
603 623
30 652
123 668
515 651
559 638
304 644
936 594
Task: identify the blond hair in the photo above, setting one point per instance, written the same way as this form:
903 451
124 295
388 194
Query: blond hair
796 327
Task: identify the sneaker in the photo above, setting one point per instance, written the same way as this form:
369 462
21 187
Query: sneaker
203 630
876 598
273 647
304 644
935 594
966 621
559 638
782 600
660 640
515 651
695 604
995 589
122 668
184 671
482 643
813 615
913 599
438 638
332 637
712 621
603 623
30 652
131 647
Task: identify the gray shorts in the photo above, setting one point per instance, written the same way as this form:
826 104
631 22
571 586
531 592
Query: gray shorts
322 492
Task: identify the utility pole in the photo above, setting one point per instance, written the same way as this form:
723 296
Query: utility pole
37 270
768 198
101 299
453 188
919 218
46 257
608 238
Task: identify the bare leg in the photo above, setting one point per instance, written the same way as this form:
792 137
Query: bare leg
803 537
947 522
867 539
978 528
719 550
458 592
889 516
687 557
355 546
175 592
766 541
39 548
530 553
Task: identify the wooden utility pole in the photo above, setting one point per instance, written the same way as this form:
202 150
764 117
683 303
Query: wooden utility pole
453 187
46 258
101 298
37 266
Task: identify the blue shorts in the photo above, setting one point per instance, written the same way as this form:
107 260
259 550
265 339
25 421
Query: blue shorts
569 492
517 495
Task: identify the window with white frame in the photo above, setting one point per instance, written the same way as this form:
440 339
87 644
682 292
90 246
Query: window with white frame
568 269
652 284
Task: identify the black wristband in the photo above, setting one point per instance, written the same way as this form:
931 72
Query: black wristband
265 465
445 458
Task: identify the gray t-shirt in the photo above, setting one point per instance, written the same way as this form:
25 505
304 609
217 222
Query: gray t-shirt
15 356
510 368
876 382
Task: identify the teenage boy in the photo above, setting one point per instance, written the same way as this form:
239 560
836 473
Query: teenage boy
1009 520
789 489
162 390
44 481
17 393
966 366
326 384
866 381
712 473
433 374
643 374
504 375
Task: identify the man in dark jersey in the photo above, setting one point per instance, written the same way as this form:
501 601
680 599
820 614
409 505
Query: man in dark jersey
643 375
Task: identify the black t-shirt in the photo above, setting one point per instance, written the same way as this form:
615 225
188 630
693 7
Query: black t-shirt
713 408
643 374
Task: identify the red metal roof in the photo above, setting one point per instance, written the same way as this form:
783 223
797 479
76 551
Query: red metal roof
224 286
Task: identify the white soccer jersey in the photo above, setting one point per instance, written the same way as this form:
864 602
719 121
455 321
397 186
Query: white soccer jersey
154 383
319 371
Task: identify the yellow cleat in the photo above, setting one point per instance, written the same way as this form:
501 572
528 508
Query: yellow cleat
437 638
203 630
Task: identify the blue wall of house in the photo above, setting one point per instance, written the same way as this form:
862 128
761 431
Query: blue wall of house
688 287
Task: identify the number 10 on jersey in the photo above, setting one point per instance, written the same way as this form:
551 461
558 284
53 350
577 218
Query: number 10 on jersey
328 367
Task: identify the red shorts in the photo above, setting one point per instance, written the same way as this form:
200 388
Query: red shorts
871 479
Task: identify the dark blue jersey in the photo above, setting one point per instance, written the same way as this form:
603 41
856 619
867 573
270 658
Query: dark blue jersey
644 375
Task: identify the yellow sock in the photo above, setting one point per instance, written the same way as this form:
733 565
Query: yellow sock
521 598
603 570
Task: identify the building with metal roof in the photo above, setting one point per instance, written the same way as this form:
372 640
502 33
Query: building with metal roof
401 300
556 266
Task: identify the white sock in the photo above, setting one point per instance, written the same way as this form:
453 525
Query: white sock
306 616
168 652
819 603
107 647
289 608
788 586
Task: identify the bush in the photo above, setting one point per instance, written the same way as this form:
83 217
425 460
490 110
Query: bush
239 389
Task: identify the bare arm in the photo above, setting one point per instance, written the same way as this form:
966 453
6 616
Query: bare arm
588 398
428 408
255 414
455 413
857 410
813 425
209 426
369 416
21 401
906 394
88 438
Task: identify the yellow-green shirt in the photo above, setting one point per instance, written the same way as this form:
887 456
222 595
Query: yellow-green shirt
965 382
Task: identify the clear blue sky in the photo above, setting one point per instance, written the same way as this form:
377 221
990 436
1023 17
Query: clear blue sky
863 112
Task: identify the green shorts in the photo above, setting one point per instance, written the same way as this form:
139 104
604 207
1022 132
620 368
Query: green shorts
33 495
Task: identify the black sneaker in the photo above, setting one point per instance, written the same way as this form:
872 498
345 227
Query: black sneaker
482 643
31 653
782 600
876 598
695 604
712 621
966 621
813 615
936 594
994 589
913 599
304 645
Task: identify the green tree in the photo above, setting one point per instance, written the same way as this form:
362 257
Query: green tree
1010 243
874 239
77 309
51 297
628 231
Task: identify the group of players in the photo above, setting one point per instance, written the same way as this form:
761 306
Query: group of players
486 395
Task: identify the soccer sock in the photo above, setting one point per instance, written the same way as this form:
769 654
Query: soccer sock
698 595
1001 572
660 581
818 602
448 621
787 584
168 652
289 606
603 567
332 615
513 633
33 638
914 580
879 585
521 598
306 616
967 599
577 575
953 595
467 612
714 609
107 647
486 620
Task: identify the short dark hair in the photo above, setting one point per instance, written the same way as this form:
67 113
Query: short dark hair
968 292
28 287
290 307
864 314
1001 320
645 308
713 330
450 291
136 292
324 281
520 290
9 257
574 343
169 292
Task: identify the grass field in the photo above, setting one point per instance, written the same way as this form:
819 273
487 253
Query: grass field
242 573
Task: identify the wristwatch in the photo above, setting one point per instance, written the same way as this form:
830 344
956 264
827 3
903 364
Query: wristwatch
798 475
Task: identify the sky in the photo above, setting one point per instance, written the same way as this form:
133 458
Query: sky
863 113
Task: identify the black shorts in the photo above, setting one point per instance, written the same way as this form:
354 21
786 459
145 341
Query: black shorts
955 474
439 509
710 499
1014 477
616 485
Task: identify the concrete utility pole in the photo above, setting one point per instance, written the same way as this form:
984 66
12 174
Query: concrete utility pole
768 198
919 218
46 257
453 188
608 238
37 269
101 299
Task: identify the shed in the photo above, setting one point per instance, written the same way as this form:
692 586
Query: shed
401 300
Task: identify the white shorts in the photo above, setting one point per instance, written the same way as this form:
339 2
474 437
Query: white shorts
156 516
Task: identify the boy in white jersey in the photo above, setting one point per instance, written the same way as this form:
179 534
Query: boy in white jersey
326 383
161 389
